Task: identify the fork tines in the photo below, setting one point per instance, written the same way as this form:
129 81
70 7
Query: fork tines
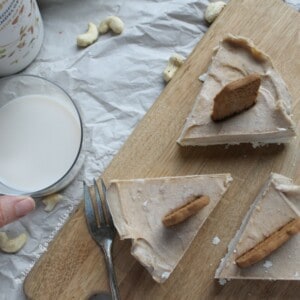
104 218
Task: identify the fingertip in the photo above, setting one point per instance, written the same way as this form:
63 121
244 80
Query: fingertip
14 207
24 206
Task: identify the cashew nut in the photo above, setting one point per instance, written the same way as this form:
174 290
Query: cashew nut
12 245
175 62
213 10
114 23
88 38
51 201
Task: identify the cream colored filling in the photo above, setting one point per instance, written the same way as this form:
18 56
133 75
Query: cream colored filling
268 120
138 207
277 204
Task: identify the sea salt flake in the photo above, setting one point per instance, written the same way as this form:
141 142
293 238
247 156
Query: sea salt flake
268 264
281 129
145 205
203 77
165 275
222 281
216 240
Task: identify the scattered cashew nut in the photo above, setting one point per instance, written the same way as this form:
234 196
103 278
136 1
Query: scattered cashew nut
175 62
51 201
88 38
213 10
12 245
114 23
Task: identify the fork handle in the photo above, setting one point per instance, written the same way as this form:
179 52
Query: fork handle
111 271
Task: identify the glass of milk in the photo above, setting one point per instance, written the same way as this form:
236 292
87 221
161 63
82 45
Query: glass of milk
41 136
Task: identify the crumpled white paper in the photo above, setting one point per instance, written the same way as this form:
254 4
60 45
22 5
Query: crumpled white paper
114 82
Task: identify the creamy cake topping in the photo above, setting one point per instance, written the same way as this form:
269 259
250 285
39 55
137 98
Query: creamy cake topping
277 204
269 121
138 206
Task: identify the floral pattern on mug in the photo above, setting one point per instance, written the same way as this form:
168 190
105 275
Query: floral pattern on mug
21 34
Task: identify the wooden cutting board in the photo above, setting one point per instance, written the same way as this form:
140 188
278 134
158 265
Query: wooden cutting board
74 267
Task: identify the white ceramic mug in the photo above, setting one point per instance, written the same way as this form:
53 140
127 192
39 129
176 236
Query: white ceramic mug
21 34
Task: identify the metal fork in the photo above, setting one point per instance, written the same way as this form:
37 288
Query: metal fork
103 232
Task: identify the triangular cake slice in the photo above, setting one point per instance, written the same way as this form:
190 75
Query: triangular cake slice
139 205
268 121
277 204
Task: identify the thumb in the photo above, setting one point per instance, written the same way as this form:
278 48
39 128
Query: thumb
14 207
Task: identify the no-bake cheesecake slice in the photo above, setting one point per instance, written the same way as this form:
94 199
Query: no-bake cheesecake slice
275 211
268 121
138 207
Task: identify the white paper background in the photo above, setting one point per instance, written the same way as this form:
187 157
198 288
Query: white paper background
114 82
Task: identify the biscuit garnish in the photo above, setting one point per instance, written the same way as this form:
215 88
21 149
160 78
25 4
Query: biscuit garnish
270 244
236 97
185 211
